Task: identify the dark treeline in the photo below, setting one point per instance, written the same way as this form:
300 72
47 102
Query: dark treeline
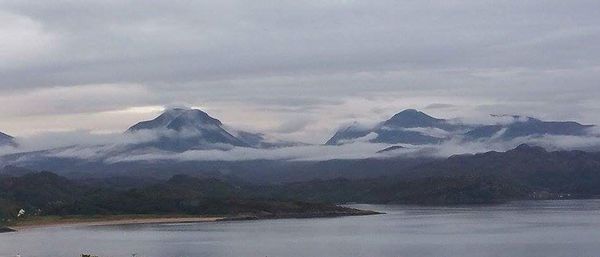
46 193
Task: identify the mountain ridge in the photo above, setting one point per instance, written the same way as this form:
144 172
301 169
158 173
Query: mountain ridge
418 128
7 140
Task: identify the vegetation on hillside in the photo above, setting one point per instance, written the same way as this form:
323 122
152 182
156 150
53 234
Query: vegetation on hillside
46 193
523 173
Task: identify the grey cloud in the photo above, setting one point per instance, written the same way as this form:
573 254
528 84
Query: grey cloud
73 100
433 132
293 125
332 60
82 139
115 41
359 149
439 106
8 150
298 153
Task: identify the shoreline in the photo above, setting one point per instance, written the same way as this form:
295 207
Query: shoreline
72 221
48 222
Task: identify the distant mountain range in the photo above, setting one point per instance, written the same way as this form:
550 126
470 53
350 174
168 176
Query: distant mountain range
187 141
381 175
527 126
523 173
417 128
174 131
526 172
407 127
181 129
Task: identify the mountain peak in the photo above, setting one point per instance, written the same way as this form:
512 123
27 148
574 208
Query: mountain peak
528 148
193 118
177 119
194 129
409 126
412 118
6 140
410 111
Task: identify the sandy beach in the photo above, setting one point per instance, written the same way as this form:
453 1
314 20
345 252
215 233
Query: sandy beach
109 220
57 221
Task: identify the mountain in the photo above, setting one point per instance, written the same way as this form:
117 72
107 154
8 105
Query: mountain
527 127
572 172
417 128
412 118
423 191
6 140
14 171
182 129
153 149
407 127
525 172
185 129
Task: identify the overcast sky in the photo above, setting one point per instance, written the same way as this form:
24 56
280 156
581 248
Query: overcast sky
294 69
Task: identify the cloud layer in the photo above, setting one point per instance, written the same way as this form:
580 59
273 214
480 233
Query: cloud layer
117 148
297 69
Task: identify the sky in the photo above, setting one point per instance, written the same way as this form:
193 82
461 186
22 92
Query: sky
293 69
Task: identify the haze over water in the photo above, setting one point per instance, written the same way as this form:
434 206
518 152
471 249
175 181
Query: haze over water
531 229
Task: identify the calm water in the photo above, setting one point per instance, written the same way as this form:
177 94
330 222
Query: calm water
549 228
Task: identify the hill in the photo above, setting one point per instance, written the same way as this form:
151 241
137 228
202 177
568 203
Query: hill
523 173
45 193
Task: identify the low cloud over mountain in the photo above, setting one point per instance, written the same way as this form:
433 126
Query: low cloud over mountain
191 135
407 127
182 129
413 127
185 129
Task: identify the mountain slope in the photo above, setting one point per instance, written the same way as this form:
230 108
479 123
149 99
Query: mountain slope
191 129
525 172
574 172
6 140
186 129
408 127
417 128
48 194
527 126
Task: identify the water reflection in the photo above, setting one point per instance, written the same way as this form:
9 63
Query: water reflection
549 228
